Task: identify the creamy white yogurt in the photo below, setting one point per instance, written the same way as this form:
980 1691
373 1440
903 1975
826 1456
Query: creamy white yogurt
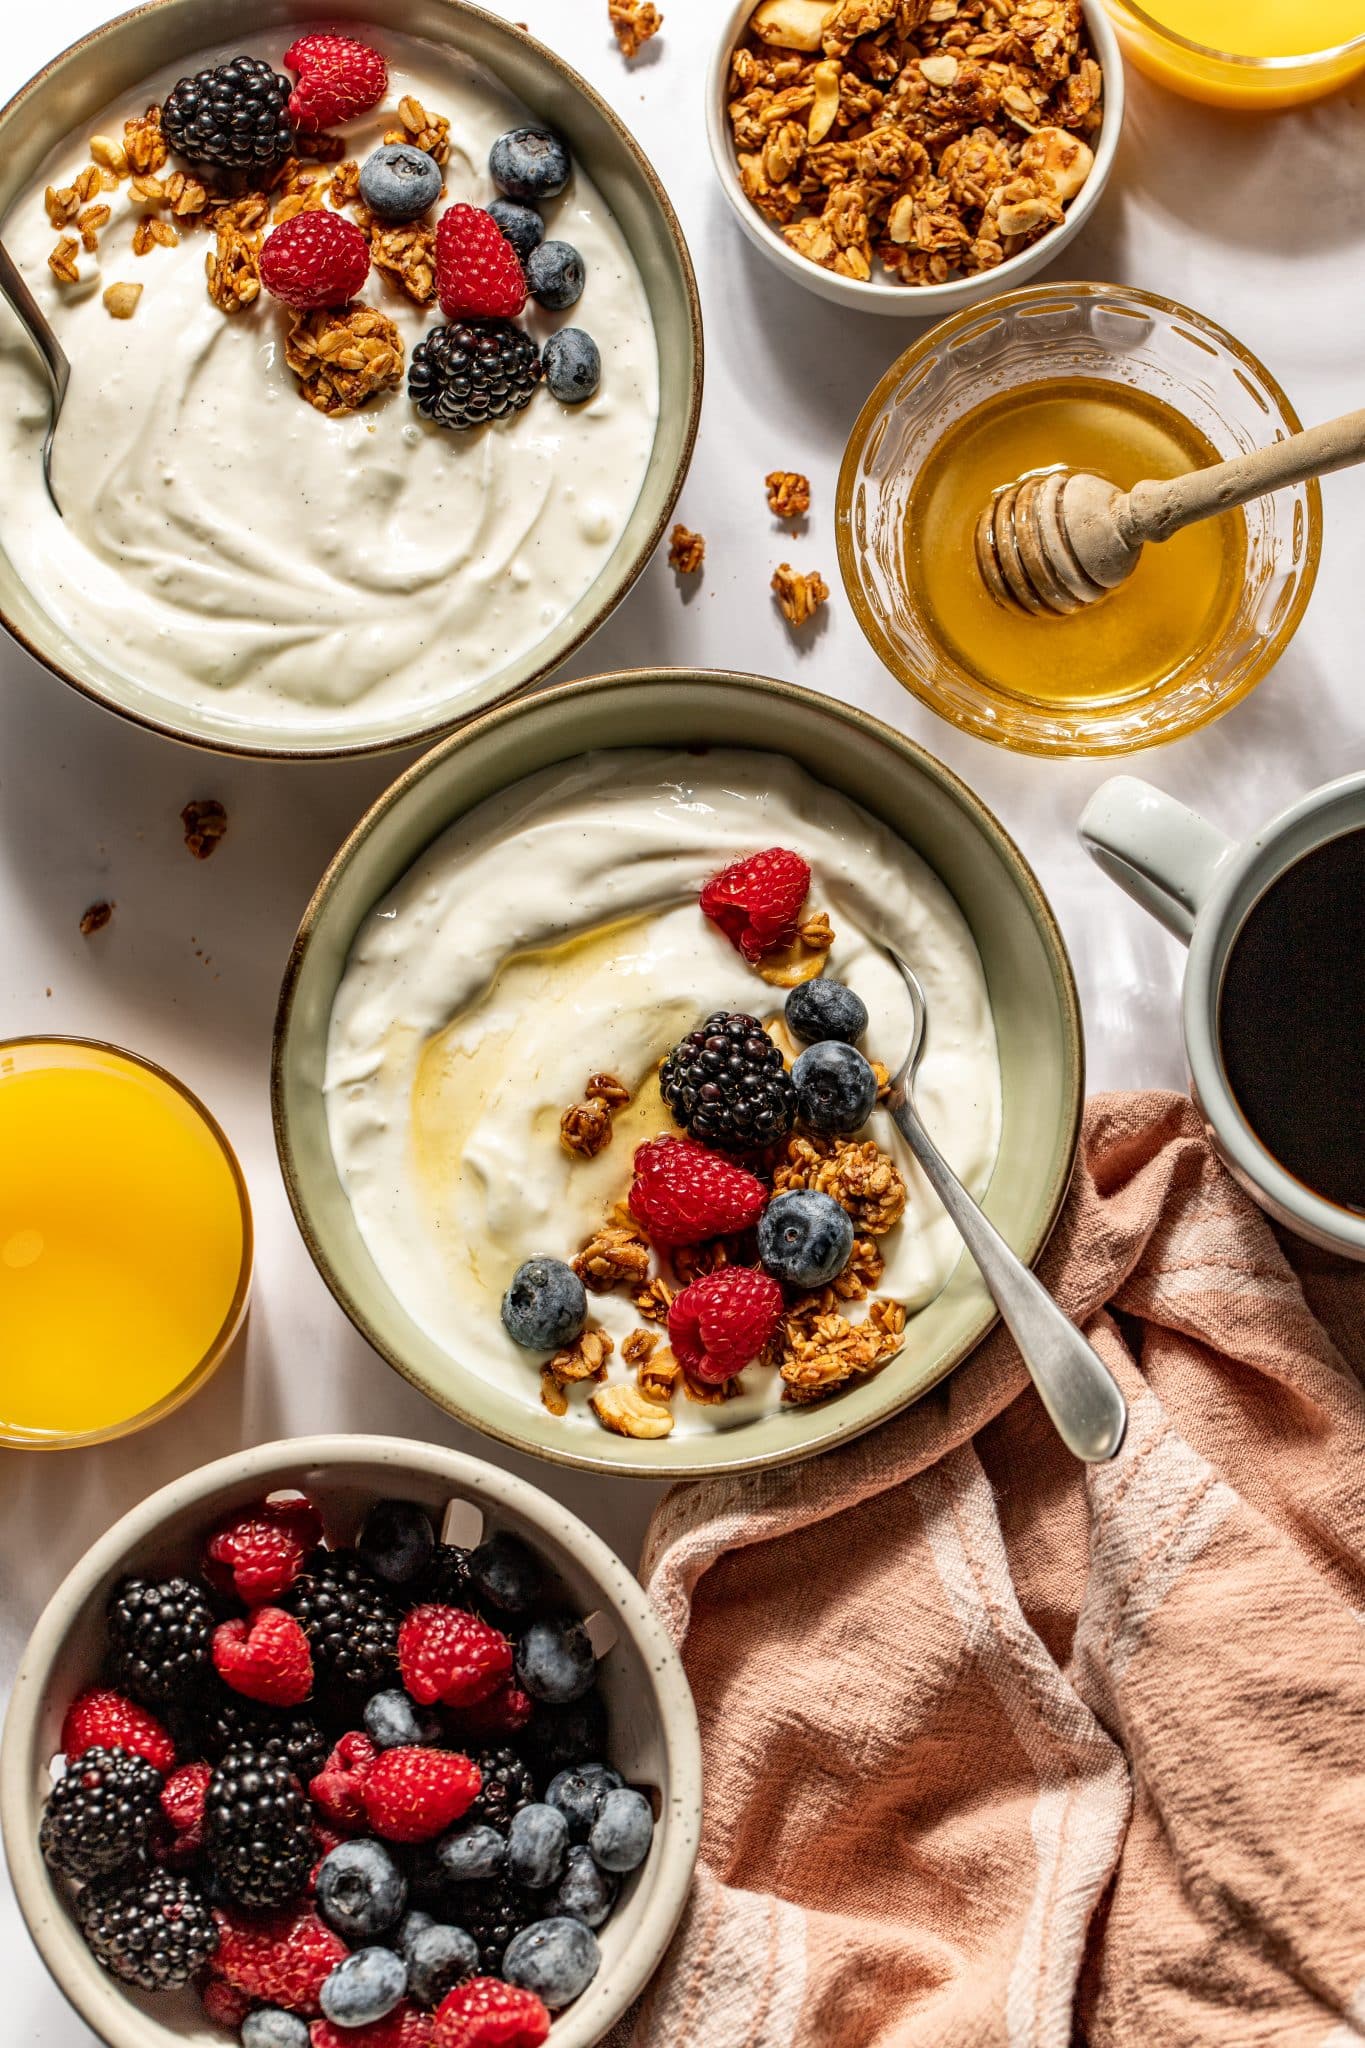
554 933
225 544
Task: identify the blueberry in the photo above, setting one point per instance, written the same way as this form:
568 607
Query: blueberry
586 1892
367 1985
399 182
575 1734
522 225
835 1088
578 1793
573 365
360 1890
555 275
438 1960
413 1923
529 163
507 1574
623 1831
472 1853
545 1307
393 1722
555 1662
557 1959
397 1541
537 1844
271 2027
804 1238
822 1009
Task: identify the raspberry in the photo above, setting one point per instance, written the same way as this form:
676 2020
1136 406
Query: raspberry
721 1322
259 1552
280 1958
504 1712
412 1794
486 2013
315 259
338 79
447 1654
407 2026
104 1719
223 2003
338 1788
757 901
683 1194
182 1802
266 1658
478 271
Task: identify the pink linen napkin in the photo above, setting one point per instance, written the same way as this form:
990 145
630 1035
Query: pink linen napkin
1002 1751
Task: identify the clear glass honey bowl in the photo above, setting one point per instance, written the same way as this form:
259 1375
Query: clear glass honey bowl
1072 332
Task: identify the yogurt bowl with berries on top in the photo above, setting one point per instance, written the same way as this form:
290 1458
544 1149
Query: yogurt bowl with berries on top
378 400
578 1106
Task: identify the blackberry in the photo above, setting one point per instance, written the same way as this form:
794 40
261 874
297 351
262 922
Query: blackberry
228 1721
98 1815
350 1620
492 1913
160 1638
233 116
507 1786
258 1831
152 1928
473 371
446 1579
726 1084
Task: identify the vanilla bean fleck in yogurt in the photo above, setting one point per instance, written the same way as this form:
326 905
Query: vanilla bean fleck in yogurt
228 547
555 932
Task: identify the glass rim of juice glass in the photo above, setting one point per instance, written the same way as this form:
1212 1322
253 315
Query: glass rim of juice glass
1235 78
234 1316
1330 53
960 346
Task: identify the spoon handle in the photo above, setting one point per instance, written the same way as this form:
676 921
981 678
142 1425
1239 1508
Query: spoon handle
1154 511
1075 1386
55 359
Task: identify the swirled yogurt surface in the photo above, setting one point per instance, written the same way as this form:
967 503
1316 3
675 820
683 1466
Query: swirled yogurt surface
227 546
554 933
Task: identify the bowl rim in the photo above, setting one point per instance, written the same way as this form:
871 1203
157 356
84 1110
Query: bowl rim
233 1316
616 1582
1353 46
929 301
780 694
430 730
943 335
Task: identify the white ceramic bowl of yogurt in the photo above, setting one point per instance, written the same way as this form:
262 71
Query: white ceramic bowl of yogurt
237 569
519 911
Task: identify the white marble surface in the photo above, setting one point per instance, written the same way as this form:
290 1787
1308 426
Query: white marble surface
1260 223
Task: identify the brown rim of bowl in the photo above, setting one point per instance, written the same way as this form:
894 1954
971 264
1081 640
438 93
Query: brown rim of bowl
769 686
942 335
426 735
233 1317
1354 46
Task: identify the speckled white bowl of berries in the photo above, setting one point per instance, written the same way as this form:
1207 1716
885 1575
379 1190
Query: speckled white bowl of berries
350 1742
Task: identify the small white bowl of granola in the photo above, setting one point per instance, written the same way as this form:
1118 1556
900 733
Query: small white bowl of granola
913 157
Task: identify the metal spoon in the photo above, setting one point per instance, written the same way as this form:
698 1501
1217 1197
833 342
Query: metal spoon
1075 1385
54 356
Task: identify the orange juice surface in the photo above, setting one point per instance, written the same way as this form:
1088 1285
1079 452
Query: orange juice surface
123 1237
1262 28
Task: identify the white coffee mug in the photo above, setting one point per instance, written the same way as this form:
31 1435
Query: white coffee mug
1203 886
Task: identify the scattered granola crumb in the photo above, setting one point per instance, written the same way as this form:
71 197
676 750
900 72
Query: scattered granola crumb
151 233
430 132
95 919
552 1394
342 359
883 1079
205 822
584 1359
633 22
686 551
62 261
109 154
585 1128
788 494
616 1255
653 1299
816 932
862 1272
799 598
658 1375
233 267
639 1347
606 1088
120 300
144 145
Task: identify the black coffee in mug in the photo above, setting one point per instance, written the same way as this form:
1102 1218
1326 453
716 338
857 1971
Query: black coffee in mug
1291 1020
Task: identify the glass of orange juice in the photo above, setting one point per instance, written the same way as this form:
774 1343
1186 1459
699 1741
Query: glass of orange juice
125 1243
1245 53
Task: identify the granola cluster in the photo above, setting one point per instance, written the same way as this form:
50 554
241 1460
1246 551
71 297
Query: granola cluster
799 597
788 493
633 23
932 137
585 1127
686 551
343 358
859 1175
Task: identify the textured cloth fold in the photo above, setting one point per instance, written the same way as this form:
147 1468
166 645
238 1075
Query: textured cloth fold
1002 1751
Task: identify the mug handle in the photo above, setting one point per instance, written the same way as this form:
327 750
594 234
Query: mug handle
1167 858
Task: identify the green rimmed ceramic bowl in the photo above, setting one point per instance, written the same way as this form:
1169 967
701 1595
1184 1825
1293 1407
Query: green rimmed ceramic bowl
1028 973
113 62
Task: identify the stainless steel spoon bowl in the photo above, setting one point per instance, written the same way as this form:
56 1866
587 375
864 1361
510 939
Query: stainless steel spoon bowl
55 359
1074 1384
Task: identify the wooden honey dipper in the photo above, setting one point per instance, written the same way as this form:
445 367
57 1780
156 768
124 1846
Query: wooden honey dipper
1061 539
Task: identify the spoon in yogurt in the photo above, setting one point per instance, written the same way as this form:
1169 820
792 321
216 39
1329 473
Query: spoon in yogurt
55 359
1076 1387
